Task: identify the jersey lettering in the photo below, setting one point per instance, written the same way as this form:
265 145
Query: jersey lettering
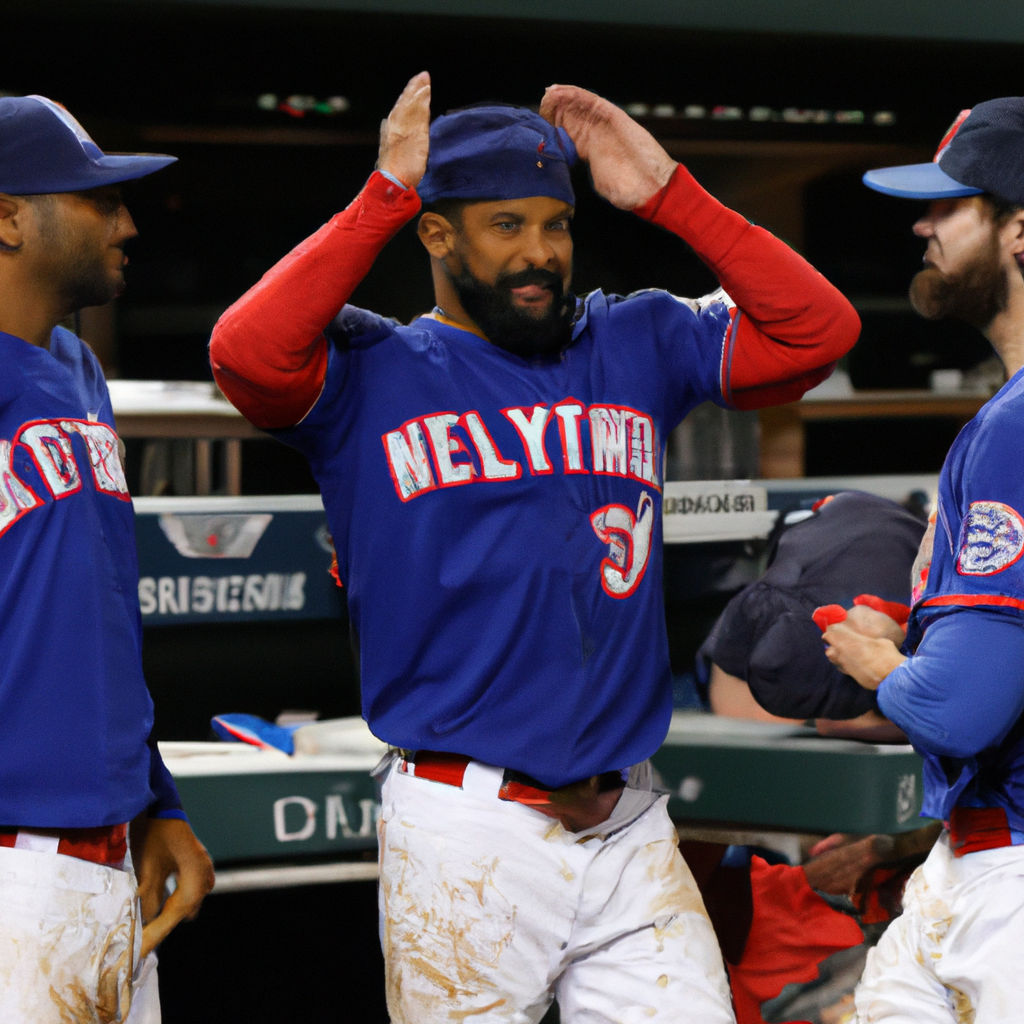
642 448
431 451
628 537
530 425
609 433
104 457
569 413
444 446
15 498
494 466
52 454
49 443
408 461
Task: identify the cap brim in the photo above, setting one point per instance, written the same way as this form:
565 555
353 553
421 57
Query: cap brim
128 166
917 181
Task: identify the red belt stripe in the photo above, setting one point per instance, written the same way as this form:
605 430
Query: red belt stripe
972 829
106 845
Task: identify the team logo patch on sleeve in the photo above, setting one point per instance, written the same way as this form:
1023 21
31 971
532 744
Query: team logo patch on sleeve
991 539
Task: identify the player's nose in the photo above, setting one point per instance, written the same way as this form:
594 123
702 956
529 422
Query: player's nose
538 250
125 227
923 228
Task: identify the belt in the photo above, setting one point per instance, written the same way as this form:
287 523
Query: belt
972 829
516 786
106 845
578 805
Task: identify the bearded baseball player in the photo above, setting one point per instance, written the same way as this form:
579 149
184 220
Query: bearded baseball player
78 764
492 479
954 954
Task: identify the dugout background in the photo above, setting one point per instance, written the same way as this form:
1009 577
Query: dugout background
186 78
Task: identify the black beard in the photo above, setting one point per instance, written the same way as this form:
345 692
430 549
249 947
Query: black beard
976 296
508 326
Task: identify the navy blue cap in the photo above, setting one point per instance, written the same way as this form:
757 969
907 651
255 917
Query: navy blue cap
983 151
44 149
497 152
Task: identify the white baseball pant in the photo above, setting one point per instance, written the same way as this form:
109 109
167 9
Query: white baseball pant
70 937
490 909
954 956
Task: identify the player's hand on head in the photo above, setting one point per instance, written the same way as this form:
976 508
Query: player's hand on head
405 135
162 847
627 164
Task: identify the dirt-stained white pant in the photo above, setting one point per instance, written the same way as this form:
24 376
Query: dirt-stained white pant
955 954
490 909
70 936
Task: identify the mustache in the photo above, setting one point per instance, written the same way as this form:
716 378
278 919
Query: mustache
531 275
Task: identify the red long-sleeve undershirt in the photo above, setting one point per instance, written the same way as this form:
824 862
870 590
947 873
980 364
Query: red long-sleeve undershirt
269 353
268 350
795 325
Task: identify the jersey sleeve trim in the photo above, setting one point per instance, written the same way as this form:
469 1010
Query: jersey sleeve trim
973 601
728 349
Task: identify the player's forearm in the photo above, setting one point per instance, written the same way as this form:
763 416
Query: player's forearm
268 351
963 689
794 324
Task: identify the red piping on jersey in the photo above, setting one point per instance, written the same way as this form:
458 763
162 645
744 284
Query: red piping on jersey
728 348
795 324
973 600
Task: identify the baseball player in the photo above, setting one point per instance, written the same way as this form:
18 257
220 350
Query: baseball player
954 954
77 762
492 480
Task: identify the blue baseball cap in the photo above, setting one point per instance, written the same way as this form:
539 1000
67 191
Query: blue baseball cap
497 152
44 149
983 151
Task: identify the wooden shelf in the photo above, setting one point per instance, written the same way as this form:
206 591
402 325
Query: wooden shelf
782 428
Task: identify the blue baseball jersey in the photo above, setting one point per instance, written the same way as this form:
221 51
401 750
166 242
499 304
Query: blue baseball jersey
498 527
75 714
960 698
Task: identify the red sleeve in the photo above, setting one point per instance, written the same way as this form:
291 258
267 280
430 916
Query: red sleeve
791 325
268 351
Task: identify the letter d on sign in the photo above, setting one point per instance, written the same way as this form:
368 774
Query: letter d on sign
281 827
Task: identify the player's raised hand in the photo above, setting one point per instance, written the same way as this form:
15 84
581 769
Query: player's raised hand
627 163
405 135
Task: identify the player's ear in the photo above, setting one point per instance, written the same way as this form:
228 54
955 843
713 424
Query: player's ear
437 235
1012 233
10 227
